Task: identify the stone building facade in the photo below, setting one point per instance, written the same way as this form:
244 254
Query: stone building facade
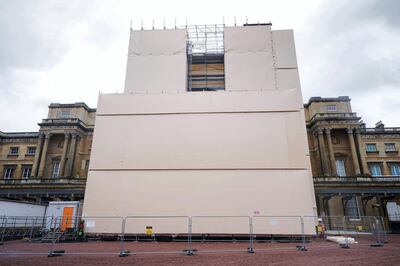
356 170
51 164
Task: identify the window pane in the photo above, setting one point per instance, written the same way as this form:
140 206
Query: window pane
352 209
340 169
8 173
375 169
31 150
56 169
14 151
26 172
331 107
371 147
65 114
395 169
390 147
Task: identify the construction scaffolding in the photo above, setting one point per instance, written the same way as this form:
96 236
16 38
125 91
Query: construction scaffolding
205 56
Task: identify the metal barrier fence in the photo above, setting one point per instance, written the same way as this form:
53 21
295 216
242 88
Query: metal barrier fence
15 227
68 227
366 229
242 226
289 225
154 228
61 235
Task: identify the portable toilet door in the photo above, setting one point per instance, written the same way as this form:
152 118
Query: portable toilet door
66 222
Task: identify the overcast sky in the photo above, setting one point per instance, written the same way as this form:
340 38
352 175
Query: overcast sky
68 51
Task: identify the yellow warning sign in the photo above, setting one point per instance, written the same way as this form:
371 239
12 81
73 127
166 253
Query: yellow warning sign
149 230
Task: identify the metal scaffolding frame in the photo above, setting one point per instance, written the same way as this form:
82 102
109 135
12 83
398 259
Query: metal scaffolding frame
203 42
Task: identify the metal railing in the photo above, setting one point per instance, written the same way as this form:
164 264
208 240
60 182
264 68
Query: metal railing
334 115
356 179
383 130
79 181
189 230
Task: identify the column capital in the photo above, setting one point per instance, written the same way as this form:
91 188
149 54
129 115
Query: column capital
320 131
349 130
47 135
74 135
328 130
67 135
357 130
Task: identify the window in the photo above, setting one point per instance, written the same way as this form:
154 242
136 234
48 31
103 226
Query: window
371 147
8 172
340 169
13 151
31 151
352 209
375 169
65 113
390 147
26 171
56 169
335 140
331 107
395 169
61 144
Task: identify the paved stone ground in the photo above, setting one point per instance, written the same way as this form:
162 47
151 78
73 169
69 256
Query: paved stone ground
320 252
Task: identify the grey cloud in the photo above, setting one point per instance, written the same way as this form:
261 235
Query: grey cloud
388 10
22 46
348 36
33 32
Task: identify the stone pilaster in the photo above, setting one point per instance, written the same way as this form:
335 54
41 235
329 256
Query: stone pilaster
331 152
37 156
354 156
44 154
322 151
71 155
64 154
362 153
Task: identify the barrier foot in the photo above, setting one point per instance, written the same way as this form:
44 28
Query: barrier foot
124 253
301 248
56 253
250 250
189 252
376 245
344 246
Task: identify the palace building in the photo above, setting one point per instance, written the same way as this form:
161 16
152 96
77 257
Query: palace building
51 164
211 122
339 190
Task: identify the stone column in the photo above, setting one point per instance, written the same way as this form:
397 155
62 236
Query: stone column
382 210
361 149
364 203
322 151
37 156
386 169
64 154
320 205
354 156
325 202
360 205
71 156
331 152
44 153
